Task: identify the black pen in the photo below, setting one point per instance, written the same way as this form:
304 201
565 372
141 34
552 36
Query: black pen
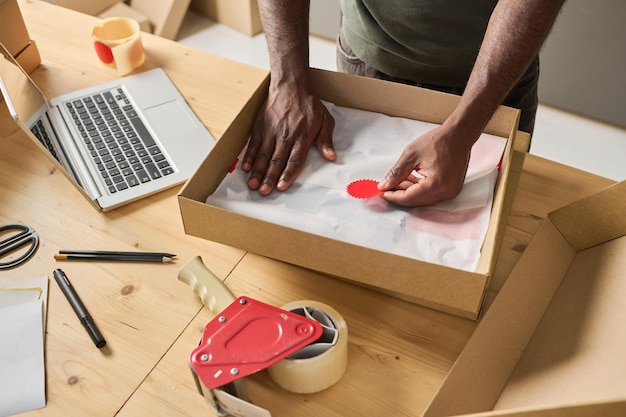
79 308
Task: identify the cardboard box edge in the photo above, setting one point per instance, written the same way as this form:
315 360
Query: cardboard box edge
495 341
445 293
483 384
605 409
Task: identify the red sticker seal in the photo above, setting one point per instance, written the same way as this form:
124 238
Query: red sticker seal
364 189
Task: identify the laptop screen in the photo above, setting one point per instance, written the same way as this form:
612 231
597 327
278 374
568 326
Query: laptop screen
27 103
22 96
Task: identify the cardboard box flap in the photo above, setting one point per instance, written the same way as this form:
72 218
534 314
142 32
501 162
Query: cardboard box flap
475 381
223 154
577 351
552 342
608 211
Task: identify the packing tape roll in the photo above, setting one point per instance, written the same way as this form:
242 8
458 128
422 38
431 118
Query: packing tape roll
117 41
321 364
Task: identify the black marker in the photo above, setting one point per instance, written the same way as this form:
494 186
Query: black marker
79 308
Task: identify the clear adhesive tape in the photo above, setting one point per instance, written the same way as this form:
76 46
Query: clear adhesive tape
117 41
320 364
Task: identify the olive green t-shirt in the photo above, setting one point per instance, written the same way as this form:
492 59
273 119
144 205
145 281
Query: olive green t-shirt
427 41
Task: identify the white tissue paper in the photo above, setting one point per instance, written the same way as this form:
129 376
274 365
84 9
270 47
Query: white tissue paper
367 145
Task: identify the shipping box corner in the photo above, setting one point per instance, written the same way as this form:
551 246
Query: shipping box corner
443 288
552 343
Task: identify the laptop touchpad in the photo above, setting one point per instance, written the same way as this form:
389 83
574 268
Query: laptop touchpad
169 118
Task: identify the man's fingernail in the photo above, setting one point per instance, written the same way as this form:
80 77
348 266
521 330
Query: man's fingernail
265 189
253 184
281 186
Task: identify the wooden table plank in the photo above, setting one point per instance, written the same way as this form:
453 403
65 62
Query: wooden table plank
399 352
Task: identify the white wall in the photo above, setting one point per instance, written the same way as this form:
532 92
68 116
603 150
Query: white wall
325 18
583 63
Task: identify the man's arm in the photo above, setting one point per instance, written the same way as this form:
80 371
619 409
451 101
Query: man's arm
514 35
292 118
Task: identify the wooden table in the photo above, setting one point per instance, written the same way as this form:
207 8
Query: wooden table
399 353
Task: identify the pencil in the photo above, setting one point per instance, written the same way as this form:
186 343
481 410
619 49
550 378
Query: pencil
114 253
111 257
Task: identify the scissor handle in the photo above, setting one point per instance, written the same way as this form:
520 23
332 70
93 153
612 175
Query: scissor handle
26 236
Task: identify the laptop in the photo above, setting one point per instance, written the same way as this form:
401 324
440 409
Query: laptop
118 141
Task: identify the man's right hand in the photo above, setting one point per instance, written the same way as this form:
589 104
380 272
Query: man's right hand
287 124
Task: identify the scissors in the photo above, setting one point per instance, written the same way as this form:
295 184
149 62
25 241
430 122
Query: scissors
19 236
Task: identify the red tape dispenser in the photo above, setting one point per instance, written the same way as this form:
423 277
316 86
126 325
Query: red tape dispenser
302 345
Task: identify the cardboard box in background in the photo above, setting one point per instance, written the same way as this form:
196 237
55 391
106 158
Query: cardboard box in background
241 15
15 38
552 343
90 7
448 289
166 15
124 10
162 17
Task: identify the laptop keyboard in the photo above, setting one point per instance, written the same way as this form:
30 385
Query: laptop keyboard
39 130
119 143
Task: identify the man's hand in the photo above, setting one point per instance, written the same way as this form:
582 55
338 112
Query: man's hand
289 122
441 163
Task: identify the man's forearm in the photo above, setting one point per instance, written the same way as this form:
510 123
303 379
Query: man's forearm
515 33
286 28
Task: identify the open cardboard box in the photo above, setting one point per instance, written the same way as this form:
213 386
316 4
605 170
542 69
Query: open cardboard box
448 289
553 342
